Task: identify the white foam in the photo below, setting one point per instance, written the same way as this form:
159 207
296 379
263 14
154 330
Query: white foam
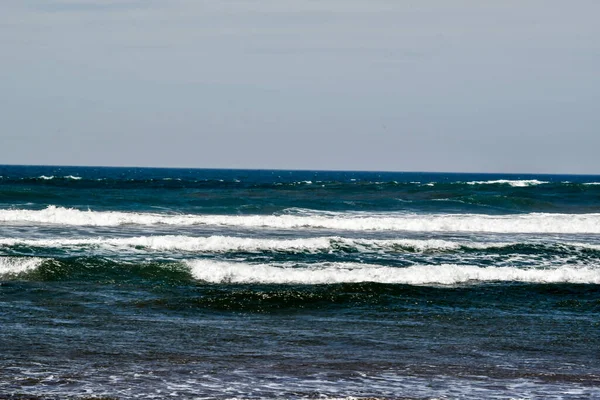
76 178
513 183
17 265
46 177
327 273
520 223
221 244
230 243
592 183
184 243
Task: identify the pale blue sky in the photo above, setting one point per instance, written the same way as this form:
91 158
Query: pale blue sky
429 85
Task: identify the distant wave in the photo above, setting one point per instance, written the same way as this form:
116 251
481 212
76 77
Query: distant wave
276 184
513 183
520 223
329 273
42 177
222 244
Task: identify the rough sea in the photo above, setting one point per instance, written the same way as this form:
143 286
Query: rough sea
132 283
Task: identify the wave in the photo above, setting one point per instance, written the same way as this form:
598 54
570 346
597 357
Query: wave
188 243
520 223
18 265
330 273
34 179
51 177
288 273
513 183
328 244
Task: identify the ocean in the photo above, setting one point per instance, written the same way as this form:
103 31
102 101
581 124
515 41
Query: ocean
133 283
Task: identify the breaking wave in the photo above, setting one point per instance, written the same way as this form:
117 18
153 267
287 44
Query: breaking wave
330 273
222 244
513 183
519 223
239 272
18 265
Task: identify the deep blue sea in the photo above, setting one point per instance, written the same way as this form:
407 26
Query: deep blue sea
187 283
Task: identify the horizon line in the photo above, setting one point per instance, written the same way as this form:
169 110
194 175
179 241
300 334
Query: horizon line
300 170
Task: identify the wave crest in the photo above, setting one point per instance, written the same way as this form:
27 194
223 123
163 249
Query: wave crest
513 183
17 265
222 244
329 273
519 223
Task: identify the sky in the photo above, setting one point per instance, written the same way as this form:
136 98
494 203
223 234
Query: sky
392 85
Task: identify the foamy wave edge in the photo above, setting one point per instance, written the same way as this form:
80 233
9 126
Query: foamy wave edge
49 178
330 273
221 244
218 243
513 183
521 223
18 265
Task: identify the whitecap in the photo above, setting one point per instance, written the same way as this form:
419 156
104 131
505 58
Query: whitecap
513 183
18 265
306 219
330 273
217 243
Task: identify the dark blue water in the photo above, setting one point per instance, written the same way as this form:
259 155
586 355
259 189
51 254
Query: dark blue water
157 283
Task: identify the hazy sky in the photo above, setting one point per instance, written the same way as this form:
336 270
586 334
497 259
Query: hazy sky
427 85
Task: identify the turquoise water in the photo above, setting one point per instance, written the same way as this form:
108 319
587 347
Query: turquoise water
154 283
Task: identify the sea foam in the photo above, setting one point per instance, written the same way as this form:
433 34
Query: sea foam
513 183
221 244
17 265
187 243
329 273
519 223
